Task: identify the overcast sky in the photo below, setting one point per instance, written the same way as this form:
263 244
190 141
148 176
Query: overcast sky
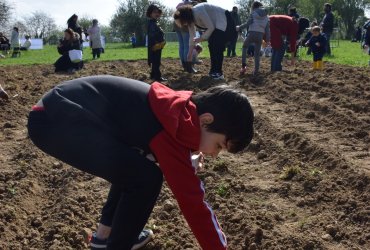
102 10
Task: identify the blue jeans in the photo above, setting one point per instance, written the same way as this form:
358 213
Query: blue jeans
183 44
328 49
277 58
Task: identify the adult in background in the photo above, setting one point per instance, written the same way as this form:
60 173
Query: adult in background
293 12
183 37
73 25
327 26
15 43
219 29
367 36
232 44
282 27
70 42
94 33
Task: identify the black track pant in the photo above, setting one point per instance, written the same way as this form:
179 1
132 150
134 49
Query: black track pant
84 144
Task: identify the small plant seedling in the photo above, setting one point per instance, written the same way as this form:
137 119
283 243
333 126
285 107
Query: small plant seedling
315 172
222 190
12 191
289 172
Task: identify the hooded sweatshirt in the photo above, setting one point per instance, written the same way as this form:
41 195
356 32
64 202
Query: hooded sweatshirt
155 119
258 21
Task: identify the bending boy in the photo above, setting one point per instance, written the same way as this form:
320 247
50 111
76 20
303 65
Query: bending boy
118 129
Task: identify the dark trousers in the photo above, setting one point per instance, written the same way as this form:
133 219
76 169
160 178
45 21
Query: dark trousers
96 53
155 59
317 56
231 47
64 64
87 145
328 48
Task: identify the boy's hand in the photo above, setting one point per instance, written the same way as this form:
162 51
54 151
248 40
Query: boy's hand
317 44
197 162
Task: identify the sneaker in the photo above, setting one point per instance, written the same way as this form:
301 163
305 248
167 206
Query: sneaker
217 76
160 79
3 94
243 70
145 236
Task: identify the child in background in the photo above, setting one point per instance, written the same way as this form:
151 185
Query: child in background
317 43
132 134
156 42
258 27
133 40
196 51
27 44
308 36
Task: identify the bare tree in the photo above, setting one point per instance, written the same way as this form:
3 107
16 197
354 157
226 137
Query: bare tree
5 11
40 24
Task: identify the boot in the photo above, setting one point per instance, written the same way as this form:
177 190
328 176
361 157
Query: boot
189 68
320 65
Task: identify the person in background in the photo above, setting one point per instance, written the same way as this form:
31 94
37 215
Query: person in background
220 29
327 26
281 27
4 43
3 94
183 37
69 42
317 43
94 33
358 35
367 36
27 44
258 27
293 12
308 36
232 44
15 42
73 25
156 42
133 40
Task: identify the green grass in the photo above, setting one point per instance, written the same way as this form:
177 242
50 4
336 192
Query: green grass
347 53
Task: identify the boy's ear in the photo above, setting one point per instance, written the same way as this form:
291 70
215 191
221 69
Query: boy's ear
206 119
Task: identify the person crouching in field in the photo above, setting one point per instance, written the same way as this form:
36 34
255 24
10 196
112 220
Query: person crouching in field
68 43
317 44
95 39
156 42
131 134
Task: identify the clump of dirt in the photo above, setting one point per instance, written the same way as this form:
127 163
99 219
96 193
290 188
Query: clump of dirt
312 129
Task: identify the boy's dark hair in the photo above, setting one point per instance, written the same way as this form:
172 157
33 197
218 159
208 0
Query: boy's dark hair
328 5
184 14
293 10
16 29
152 8
256 5
232 112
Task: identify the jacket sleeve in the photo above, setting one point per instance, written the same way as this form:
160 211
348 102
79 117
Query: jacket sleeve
267 32
206 19
246 24
175 163
293 38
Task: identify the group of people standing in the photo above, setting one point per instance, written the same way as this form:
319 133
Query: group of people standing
71 46
14 43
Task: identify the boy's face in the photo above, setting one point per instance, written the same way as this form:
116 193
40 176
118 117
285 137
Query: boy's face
156 14
211 143
315 33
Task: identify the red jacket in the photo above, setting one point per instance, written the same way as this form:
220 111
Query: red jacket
172 147
281 25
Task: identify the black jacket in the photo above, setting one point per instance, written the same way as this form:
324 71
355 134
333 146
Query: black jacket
155 33
68 45
320 50
328 23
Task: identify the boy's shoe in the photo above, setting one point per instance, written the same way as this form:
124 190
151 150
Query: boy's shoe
3 94
243 70
145 236
217 76
160 79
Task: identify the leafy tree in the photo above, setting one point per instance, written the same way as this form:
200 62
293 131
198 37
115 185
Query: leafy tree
131 17
40 24
5 11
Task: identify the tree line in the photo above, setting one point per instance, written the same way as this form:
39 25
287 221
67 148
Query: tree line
130 17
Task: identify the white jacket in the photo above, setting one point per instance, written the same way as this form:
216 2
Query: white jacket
95 37
209 17
14 41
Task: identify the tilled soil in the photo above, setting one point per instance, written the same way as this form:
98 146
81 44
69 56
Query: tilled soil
302 184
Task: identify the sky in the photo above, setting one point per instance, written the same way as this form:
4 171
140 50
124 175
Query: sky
102 10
